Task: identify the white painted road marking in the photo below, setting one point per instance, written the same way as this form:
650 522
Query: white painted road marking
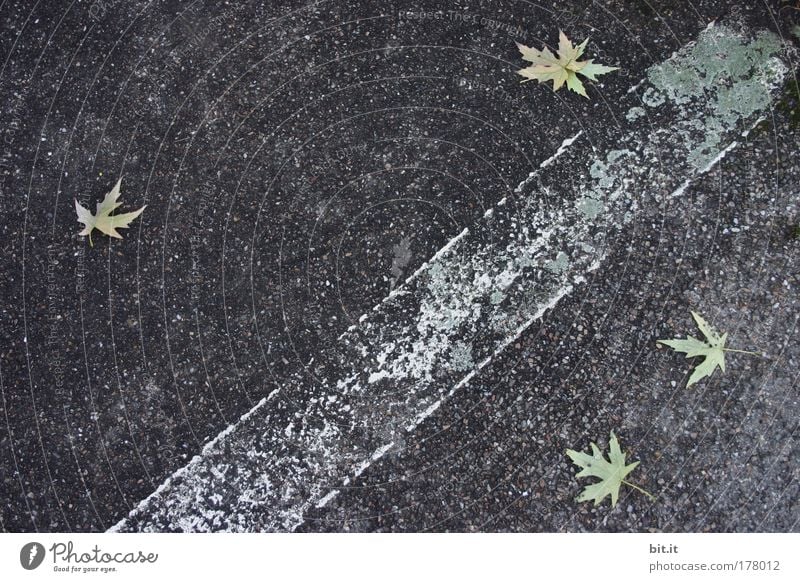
478 294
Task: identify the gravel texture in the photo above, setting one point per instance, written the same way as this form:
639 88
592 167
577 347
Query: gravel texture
298 162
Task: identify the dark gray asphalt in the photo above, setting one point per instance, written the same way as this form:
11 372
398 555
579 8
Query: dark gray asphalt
285 154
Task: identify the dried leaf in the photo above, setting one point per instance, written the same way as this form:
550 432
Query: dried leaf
611 473
563 69
102 219
712 350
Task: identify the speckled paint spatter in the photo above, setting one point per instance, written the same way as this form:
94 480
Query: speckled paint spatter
488 285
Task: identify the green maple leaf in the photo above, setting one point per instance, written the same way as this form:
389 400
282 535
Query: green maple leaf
563 69
612 473
712 350
102 219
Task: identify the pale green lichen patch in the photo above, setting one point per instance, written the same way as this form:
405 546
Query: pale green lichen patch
599 171
724 73
653 98
461 357
634 113
559 264
590 208
605 175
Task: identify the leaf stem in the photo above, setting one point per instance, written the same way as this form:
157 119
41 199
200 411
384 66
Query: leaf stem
743 352
629 484
91 244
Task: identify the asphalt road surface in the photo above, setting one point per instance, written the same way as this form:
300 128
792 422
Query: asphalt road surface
380 284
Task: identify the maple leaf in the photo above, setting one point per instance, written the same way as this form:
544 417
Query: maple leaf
612 473
712 350
562 69
102 219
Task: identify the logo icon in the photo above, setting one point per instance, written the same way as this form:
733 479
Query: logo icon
31 555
